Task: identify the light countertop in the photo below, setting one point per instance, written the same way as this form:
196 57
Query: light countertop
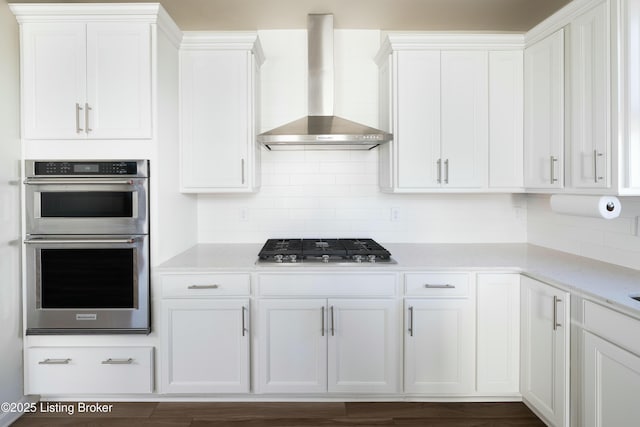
599 281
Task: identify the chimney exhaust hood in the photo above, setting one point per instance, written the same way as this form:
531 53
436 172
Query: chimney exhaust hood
321 130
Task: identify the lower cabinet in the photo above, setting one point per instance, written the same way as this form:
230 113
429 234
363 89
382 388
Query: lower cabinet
440 352
206 346
545 350
338 345
89 370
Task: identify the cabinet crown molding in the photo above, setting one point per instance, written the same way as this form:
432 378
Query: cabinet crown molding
223 40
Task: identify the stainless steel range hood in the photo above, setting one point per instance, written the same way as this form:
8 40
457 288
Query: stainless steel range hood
321 130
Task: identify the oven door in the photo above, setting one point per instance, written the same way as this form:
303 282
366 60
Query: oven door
93 284
86 206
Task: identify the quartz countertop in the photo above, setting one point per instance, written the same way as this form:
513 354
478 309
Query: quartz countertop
599 281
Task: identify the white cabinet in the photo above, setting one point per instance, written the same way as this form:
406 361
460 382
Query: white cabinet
86 80
498 333
88 370
205 331
545 350
219 77
335 345
439 357
544 113
610 367
589 77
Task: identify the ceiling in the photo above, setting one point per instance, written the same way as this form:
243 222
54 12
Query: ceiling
391 15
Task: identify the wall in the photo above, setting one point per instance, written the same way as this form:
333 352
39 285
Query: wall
10 295
323 194
615 241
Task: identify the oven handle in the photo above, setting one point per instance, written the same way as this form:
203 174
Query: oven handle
128 240
36 181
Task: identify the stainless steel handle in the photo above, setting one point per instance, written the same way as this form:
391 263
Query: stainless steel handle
332 323
410 321
552 166
54 362
445 286
86 118
214 286
78 128
242 170
446 171
77 181
111 361
596 178
244 325
439 163
40 241
323 320
556 300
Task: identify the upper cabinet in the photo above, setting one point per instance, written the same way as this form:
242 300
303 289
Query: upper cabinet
440 96
219 87
544 112
84 79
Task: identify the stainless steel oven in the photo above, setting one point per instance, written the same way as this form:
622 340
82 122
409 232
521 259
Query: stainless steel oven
87 247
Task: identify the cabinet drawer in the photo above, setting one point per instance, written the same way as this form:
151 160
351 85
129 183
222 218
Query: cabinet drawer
99 370
437 284
613 326
207 285
327 284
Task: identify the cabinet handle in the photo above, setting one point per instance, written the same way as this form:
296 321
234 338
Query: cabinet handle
204 286
445 286
552 166
86 117
322 320
332 323
111 361
242 170
446 171
410 321
244 326
439 163
78 109
54 362
596 178
556 325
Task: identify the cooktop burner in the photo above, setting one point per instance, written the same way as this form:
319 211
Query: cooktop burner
291 251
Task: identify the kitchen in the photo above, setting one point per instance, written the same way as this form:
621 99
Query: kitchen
311 193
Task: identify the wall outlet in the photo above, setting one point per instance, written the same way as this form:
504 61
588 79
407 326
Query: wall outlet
244 214
395 214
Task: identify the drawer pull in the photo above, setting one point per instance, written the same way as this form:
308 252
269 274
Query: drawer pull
445 286
111 361
204 286
54 362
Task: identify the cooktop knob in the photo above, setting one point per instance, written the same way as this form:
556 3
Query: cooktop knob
278 258
357 258
372 258
325 258
293 258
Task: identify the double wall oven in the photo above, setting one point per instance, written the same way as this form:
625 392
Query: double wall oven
87 247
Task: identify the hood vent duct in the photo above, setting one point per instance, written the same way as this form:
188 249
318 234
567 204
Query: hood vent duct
321 130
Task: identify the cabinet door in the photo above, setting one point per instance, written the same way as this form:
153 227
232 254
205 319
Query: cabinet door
544 112
545 350
118 80
292 346
417 134
206 346
464 119
216 120
498 319
590 103
53 80
611 384
439 346
363 346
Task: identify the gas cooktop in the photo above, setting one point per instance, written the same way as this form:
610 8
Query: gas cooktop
346 251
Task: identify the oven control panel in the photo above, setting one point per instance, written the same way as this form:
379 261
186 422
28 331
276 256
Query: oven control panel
84 168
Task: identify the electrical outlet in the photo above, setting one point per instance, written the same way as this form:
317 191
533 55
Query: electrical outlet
395 214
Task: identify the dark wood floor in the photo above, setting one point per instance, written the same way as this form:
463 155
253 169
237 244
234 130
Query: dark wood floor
289 415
